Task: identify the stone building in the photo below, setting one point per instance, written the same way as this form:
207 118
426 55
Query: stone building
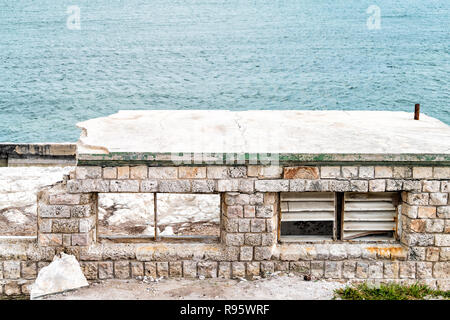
336 195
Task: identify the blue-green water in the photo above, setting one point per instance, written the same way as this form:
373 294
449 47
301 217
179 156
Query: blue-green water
215 54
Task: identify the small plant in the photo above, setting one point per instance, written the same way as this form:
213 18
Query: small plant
389 291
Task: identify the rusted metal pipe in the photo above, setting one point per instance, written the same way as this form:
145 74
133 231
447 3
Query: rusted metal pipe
416 111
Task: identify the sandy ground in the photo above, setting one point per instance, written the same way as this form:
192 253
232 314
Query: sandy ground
277 287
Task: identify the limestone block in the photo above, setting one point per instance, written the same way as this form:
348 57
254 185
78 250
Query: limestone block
49 239
244 225
378 185
264 211
409 211
424 270
257 225
432 254
217 172
192 172
434 225
235 212
362 270
81 211
441 270
88 172
391 270
402 172
330 172
234 239
64 199
418 199
11 269
94 185
253 239
317 269
162 269
123 173
426 212
394 185
412 185
349 269
376 270
333 269
138 172
175 186
407 270
308 173
237 172
90 270
189 269
383 172
441 173
124 186
203 186
207 269
422 172
162 172
65 226
431 186
297 185
246 253
224 270
28 269
300 267
339 186
442 240
175 269
445 186
105 270
54 211
246 185
349 172
110 173
272 185
359 185
367 172
438 199
228 185
238 269
443 212
249 211
262 253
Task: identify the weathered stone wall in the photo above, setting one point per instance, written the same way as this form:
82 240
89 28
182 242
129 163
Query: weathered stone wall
18 192
248 243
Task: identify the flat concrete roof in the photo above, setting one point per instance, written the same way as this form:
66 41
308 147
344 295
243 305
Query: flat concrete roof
304 136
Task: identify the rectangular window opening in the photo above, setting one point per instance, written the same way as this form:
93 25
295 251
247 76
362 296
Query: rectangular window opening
307 216
141 217
126 215
188 216
370 216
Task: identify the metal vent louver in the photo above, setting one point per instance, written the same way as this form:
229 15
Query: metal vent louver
369 214
308 208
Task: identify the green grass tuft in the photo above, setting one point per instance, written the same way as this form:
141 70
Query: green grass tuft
390 291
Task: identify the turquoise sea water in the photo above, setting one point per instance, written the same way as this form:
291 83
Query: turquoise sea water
215 54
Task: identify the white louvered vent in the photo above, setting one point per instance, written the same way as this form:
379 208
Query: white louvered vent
307 215
367 215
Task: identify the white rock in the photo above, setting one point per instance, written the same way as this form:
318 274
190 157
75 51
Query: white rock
61 275
168 231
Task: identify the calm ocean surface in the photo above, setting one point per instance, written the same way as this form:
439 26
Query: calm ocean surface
216 54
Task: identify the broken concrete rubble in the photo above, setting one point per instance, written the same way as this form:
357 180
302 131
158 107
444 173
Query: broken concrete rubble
63 274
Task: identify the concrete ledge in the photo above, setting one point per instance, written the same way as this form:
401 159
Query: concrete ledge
182 159
37 154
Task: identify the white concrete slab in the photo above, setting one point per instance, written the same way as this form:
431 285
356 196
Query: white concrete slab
296 132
